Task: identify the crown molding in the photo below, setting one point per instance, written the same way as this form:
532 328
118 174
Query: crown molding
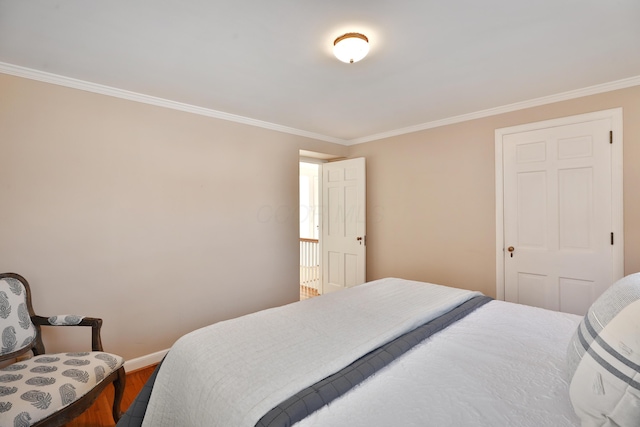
564 96
56 79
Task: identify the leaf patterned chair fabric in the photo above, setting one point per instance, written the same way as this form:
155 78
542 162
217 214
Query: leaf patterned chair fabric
48 389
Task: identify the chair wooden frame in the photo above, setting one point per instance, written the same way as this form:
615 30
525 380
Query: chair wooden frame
76 408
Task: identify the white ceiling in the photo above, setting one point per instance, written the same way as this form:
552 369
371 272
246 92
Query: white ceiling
271 61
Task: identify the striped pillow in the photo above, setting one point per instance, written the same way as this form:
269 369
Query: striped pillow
604 358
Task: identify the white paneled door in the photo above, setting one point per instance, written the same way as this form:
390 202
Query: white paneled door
343 224
559 215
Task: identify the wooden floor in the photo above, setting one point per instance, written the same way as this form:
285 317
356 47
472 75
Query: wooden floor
99 414
306 292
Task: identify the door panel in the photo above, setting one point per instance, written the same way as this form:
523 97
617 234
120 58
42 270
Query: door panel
575 197
532 223
529 289
343 219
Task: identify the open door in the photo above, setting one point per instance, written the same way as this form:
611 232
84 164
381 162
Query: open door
343 224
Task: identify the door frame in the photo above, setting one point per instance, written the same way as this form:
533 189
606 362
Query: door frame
615 115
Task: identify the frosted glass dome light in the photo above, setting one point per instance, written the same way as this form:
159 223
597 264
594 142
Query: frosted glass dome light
351 47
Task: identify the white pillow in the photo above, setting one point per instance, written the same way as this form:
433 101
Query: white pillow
604 358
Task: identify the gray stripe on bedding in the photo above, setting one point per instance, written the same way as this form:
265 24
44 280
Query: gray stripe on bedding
135 414
608 349
613 371
316 396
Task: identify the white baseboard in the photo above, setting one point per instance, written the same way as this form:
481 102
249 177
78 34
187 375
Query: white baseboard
144 361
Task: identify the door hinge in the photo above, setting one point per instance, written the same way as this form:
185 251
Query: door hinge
610 137
612 238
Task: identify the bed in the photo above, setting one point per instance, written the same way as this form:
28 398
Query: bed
404 353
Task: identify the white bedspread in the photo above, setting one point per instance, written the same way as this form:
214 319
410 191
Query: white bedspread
233 372
502 365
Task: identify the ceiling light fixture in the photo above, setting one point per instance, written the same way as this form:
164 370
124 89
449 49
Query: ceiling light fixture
351 47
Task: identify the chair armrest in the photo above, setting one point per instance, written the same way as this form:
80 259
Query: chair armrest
94 322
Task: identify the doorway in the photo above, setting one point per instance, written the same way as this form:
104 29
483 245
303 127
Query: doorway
559 210
332 224
310 255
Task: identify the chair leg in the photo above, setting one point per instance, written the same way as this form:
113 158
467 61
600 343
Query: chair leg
118 385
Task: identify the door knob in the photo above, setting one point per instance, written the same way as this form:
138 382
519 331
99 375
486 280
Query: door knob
511 249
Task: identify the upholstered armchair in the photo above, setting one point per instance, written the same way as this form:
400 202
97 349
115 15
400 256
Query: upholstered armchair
48 389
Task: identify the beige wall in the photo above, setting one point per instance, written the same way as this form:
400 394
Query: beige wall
156 220
161 221
431 195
